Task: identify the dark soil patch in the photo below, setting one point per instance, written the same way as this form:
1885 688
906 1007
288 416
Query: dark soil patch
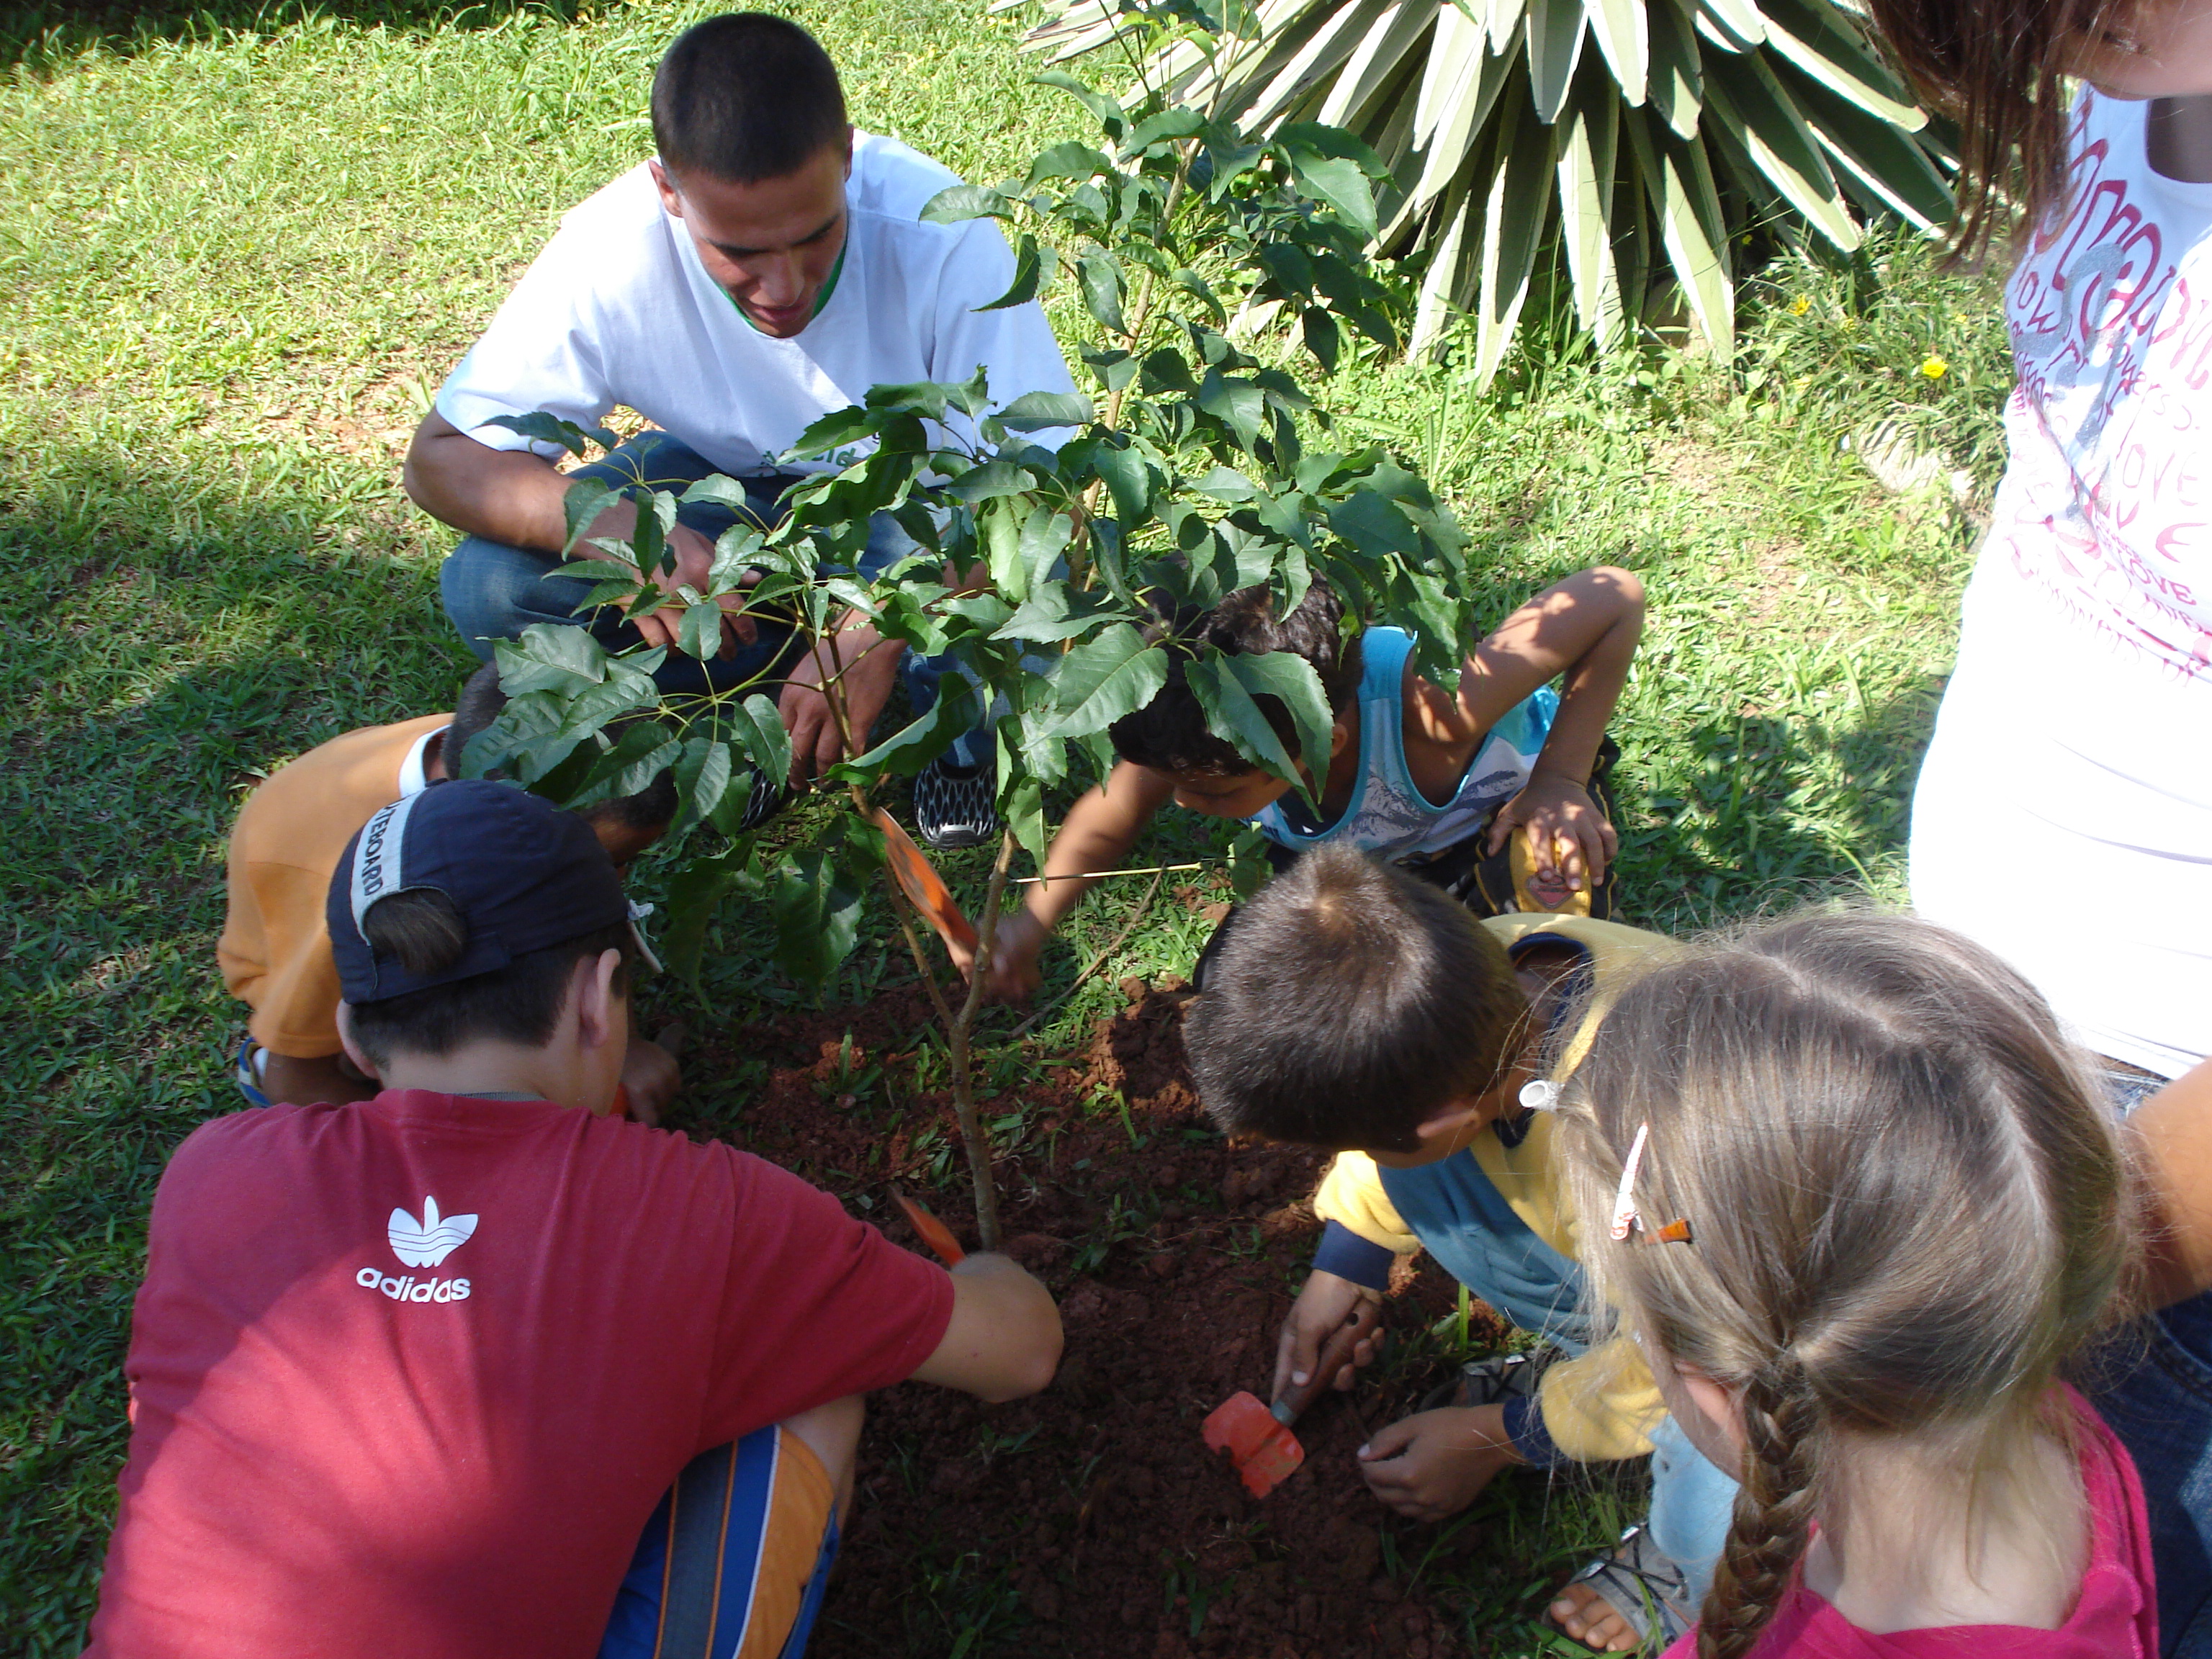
1092 1521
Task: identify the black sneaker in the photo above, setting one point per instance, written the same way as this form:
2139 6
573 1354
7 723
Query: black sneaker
953 806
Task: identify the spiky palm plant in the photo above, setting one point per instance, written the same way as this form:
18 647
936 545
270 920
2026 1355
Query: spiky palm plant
1619 142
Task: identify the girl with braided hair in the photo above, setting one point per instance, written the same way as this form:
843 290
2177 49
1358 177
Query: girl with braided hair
1859 1200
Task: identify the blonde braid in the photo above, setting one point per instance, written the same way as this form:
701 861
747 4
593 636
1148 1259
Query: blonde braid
1773 1512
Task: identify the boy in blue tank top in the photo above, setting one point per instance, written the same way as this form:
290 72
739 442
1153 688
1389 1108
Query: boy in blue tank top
1356 1009
1437 780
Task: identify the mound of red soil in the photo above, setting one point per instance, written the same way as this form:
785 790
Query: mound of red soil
1091 1520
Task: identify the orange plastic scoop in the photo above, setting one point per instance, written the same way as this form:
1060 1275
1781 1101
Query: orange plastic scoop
919 880
934 1233
1258 1438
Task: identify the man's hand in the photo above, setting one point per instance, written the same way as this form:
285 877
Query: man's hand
1326 1303
1434 1464
870 665
1013 975
1569 842
694 569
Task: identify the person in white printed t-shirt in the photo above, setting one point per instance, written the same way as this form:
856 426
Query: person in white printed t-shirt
2073 754
2072 757
766 268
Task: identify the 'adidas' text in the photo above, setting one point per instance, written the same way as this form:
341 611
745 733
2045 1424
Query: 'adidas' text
411 1289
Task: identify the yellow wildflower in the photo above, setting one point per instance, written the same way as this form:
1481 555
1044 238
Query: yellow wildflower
1933 366
1799 306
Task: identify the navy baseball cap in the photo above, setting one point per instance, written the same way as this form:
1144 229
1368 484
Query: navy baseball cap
523 873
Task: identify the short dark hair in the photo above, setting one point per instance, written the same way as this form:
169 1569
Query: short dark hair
744 97
520 1003
1170 733
1349 1001
650 811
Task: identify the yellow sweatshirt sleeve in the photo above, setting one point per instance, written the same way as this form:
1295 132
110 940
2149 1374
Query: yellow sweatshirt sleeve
1602 1405
1351 1195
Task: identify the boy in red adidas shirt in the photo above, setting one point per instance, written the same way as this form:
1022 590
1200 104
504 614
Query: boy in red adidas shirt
412 1374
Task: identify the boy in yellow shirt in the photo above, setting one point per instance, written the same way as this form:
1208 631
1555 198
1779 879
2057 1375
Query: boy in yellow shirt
1358 1008
274 952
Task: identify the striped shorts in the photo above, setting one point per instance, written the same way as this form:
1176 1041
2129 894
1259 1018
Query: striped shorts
733 1563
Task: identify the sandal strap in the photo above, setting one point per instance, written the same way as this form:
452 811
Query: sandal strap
1647 1589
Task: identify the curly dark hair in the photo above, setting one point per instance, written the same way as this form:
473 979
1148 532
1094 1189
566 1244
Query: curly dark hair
1170 734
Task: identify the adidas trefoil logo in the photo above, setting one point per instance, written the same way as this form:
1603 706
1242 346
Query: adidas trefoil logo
426 1243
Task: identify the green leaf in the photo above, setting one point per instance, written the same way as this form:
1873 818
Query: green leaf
920 741
1110 114
1232 716
1071 159
1742 92
1028 275
702 777
584 501
1023 808
1036 411
640 755
1099 275
1055 611
999 526
990 481
549 657
956 203
1555 46
1044 540
1339 184
1114 369
544 428
1290 678
1239 404
1174 123
721 491
1111 675
1129 481
758 729
816 917
694 893
1323 337
699 633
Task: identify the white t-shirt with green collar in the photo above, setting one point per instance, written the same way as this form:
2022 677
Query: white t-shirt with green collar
617 310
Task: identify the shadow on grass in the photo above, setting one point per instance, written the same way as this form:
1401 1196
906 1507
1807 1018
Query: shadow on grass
169 637
1766 813
42 31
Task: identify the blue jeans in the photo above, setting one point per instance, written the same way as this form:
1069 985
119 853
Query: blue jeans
1692 1503
2154 1389
492 590
2154 1385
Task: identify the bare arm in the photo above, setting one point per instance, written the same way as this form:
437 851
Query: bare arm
1586 628
513 496
1098 833
1004 1341
2173 1135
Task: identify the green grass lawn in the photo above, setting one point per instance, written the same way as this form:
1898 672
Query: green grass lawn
237 257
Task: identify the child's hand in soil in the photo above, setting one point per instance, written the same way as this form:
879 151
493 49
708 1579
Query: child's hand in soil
1569 842
1327 1302
1434 1464
1013 975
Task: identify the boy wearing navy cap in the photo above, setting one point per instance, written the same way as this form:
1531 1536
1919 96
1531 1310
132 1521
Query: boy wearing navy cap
473 1368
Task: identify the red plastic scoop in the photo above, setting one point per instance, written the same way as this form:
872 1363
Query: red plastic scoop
1258 1438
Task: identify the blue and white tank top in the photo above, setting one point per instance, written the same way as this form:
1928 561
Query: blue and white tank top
1387 815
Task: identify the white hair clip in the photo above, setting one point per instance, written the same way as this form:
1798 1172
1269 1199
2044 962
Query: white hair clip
1539 1094
1626 1217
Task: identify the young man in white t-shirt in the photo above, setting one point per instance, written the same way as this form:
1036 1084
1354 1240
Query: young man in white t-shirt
766 268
